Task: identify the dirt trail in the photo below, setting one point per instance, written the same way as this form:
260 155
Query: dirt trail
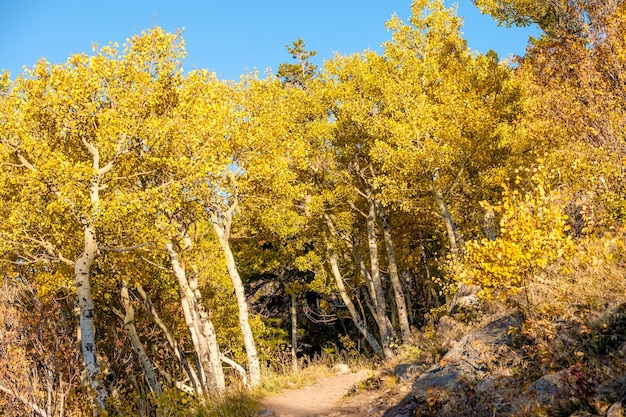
322 399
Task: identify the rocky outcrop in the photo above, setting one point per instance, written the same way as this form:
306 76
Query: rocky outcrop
483 374
468 373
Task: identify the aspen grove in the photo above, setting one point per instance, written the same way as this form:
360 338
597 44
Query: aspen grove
168 237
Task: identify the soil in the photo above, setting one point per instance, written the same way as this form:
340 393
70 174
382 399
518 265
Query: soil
337 397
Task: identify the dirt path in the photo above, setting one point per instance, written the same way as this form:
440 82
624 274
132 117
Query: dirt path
322 399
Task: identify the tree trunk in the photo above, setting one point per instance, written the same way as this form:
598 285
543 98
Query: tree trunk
294 333
129 325
398 289
203 343
374 291
222 229
454 238
371 289
178 353
208 331
371 339
387 334
82 268
238 368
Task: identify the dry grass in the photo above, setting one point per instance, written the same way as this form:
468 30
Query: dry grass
274 382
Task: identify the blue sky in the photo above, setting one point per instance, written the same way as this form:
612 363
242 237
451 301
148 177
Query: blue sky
230 38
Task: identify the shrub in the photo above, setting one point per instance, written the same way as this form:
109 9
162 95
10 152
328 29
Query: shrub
533 235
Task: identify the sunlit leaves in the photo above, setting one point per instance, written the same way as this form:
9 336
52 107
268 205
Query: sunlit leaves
533 235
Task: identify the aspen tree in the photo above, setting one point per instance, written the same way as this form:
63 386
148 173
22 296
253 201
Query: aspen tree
72 134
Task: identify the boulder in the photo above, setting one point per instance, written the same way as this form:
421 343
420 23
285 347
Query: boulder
551 388
448 325
407 371
341 369
466 297
616 410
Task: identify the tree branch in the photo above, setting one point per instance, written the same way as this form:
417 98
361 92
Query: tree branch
121 250
23 400
240 370
50 249
457 179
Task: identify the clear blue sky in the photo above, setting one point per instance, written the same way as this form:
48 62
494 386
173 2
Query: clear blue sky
229 38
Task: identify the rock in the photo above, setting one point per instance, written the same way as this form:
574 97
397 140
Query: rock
554 391
450 385
406 371
549 389
443 378
616 410
466 297
449 328
447 324
266 412
448 345
492 382
472 356
341 369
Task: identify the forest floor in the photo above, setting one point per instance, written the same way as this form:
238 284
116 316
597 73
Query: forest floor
336 396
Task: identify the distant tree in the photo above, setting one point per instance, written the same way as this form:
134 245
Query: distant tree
303 70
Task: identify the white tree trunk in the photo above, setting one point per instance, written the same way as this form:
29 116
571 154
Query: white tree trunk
129 325
211 377
178 353
398 290
387 334
82 268
454 237
208 331
382 321
222 229
86 321
371 339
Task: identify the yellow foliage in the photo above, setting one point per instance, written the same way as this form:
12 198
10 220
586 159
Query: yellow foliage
532 236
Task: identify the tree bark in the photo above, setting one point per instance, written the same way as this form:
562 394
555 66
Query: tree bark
371 289
129 325
178 353
454 238
86 321
396 283
204 341
208 331
382 321
387 334
82 269
222 229
294 333
371 339
238 368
